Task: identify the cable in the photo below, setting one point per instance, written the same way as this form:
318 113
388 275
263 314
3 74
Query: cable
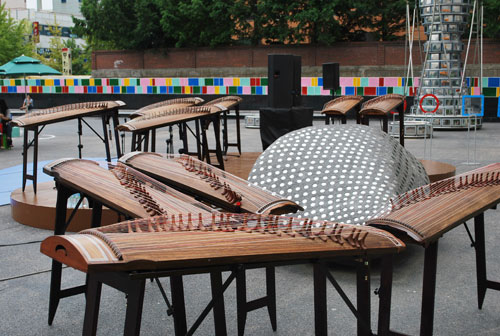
28 274
25 243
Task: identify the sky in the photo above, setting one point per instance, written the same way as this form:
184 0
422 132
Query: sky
46 4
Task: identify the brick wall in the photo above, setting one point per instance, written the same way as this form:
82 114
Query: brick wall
347 54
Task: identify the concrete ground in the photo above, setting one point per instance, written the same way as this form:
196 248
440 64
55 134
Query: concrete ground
24 276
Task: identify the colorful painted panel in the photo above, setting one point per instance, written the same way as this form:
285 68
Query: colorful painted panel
311 86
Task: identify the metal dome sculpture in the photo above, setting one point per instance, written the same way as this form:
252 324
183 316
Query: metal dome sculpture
342 173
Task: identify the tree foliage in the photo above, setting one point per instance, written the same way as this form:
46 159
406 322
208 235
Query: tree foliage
143 24
491 18
13 37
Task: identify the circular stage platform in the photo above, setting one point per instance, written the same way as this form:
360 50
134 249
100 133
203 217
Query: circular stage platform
39 210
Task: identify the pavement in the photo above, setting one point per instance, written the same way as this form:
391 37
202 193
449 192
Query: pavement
24 272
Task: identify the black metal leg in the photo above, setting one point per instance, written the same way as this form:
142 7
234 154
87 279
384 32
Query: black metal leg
25 156
133 145
401 112
205 149
385 124
225 140
105 137
116 122
241 300
320 312
199 151
93 300
385 294
80 133
363 297
343 119
96 214
271 295
145 136
480 259
153 140
59 229
327 119
35 159
135 301
429 290
218 148
238 131
179 307
219 311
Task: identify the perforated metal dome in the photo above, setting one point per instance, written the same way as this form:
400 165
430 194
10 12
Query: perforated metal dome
343 173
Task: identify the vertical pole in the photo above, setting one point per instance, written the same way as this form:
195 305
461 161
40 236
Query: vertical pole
218 310
429 290
271 295
363 297
135 301
178 304
59 229
93 299
320 312
116 122
241 301
385 294
35 158
106 138
238 132
25 156
218 148
480 259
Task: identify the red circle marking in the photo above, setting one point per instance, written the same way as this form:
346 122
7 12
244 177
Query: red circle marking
429 95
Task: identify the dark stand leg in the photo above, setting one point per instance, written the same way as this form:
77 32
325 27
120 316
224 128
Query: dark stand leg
271 295
204 141
133 145
105 137
480 259
116 122
153 140
429 290
238 132
401 112
343 119
244 307
218 148
25 156
241 300
327 120
363 297
225 140
96 214
35 159
92 305
179 307
80 133
59 229
199 151
385 294
26 146
320 312
135 301
219 311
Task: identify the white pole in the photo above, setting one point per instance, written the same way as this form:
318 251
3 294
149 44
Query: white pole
468 47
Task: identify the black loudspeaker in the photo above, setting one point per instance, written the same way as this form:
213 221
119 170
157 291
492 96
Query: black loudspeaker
331 75
283 73
276 122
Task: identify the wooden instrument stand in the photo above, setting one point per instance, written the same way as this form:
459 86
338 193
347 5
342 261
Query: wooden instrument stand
38 128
